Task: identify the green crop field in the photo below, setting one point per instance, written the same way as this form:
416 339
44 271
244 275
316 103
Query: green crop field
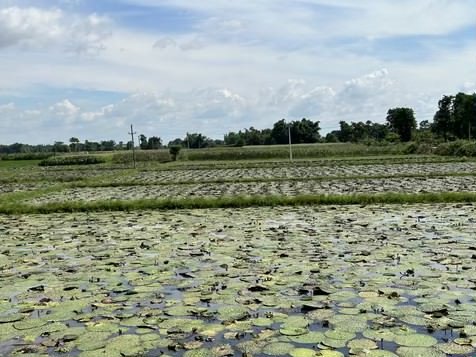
239 252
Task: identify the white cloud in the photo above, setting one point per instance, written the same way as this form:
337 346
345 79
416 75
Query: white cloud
101 113
367 86
65 110
215 111
38 28
28 25
7 107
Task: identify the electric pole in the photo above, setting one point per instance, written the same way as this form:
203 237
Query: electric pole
133 146
290 144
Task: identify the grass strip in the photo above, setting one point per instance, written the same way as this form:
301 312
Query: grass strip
104 184
238 202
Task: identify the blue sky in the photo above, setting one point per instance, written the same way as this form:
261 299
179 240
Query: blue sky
90 68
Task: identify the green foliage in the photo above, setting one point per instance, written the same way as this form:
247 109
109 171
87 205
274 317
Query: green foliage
392 137
456 117
303 131
153 143
72 160
174 151
12 164
402 122
27 156
359 132
457 148
303 151
419 148
162 155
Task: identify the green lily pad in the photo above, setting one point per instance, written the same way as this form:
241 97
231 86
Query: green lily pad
293 331
233 313
313 337
29 324
124 345
11 318
302 352
277 349
91 341
262 322
379 353
339 335
416 340
454 348
328 353
361 345
295 322
381 334
419 352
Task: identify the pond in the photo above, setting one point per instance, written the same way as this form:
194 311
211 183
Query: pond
304 281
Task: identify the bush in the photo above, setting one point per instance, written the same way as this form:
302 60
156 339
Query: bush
72 160
467 149
457 148
174 151
412 148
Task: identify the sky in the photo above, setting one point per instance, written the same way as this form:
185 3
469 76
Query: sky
91 68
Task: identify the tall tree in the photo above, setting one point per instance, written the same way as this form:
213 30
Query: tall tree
305 131
442 120
143 144
463 112
154 143
402 122
74 143
279 133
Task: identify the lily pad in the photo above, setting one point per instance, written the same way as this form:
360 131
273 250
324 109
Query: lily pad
419 352
277 349
302 352
415 340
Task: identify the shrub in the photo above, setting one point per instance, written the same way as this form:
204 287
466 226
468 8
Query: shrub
457 148
174 151
412 148
72 160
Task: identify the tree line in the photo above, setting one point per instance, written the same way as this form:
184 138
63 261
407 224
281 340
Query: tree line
454 119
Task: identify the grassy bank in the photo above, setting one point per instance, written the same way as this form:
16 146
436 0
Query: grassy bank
237 202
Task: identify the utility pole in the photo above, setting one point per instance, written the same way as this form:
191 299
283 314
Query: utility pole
133 146
290 144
